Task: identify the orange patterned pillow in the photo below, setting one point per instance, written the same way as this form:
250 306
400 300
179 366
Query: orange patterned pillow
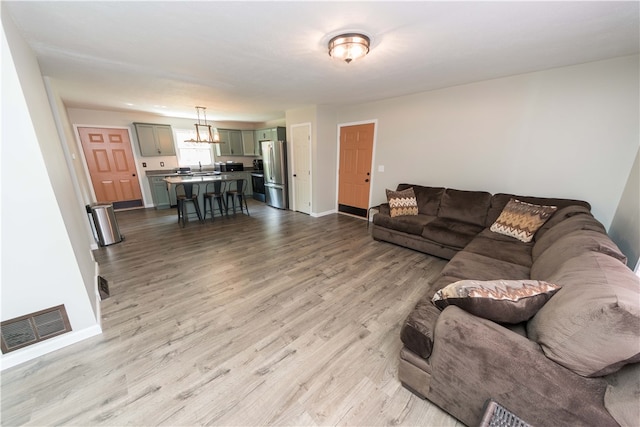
402 202
521 220
505 301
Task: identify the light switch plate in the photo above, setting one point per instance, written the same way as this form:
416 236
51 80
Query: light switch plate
380 168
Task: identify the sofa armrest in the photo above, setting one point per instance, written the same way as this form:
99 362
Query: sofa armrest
474 359
384 209
417 331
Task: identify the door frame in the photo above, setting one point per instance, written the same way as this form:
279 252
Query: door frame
373 156
85 167
293 159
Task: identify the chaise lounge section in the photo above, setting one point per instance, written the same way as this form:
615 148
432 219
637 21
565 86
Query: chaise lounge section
565 357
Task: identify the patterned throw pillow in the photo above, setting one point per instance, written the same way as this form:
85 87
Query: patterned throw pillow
402 202
521 220
505 301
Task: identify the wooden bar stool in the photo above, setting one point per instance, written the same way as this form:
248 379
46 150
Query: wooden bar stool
214 191
236 190
185 194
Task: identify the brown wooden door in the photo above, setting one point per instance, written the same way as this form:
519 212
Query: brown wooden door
356 151
111 165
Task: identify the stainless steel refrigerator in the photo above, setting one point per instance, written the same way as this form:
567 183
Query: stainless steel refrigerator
274 158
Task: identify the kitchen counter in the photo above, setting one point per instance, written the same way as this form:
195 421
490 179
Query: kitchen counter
171 172
182 179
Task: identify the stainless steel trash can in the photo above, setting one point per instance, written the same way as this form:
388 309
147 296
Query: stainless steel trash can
104 219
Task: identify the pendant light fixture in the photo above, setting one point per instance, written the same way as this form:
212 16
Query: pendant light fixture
204 133
348 47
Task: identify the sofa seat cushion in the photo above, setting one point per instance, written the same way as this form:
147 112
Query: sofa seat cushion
570 246
428 198
509 249
451 232
465 206
467 265
417 331
622 395
503 301
411 224
592 325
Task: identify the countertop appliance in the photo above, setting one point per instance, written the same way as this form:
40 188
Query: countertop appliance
258 165
228 167
274 158
183 171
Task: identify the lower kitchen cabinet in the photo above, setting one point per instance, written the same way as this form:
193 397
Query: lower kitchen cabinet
160 192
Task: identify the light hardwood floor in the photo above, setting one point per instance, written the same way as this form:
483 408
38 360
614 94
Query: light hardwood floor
273 319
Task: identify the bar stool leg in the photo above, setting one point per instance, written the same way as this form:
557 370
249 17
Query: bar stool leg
197 206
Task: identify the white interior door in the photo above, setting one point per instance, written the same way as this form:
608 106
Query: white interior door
301 168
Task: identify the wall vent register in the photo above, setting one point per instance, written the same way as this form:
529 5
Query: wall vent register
32 328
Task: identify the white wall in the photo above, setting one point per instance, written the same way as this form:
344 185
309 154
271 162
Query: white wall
567 132
46 258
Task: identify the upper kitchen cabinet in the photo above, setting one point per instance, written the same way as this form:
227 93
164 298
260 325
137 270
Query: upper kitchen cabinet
155 140
271 134
224 148
232 143
249 145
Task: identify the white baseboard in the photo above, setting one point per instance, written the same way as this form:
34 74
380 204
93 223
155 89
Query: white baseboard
319 214
26 354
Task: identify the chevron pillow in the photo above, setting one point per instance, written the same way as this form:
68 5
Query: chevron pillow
402 202
504 301
521 220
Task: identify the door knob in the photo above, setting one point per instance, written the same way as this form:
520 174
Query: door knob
133 174
366 180
294 175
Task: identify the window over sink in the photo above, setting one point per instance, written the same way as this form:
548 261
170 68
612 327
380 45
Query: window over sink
192 153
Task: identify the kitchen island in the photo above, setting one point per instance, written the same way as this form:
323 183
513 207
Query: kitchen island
164 195
201 181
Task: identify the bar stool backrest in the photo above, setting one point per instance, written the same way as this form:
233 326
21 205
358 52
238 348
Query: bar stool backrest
216 188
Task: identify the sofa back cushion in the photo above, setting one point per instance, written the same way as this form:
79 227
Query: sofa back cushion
592 325
465 206
570 246
500 200
428 198
582 221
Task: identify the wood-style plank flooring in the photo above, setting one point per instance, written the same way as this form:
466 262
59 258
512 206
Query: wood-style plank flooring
277 318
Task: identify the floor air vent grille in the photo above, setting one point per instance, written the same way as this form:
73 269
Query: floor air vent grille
32 328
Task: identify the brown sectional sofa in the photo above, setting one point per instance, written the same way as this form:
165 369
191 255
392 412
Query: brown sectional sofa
575 362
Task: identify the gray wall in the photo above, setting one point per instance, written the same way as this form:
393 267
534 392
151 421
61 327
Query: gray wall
625 228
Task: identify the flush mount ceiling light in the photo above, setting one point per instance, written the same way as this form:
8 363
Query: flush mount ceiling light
203 130
348 47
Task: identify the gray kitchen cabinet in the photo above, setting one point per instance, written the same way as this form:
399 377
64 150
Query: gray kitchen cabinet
155 140
160 192
236 143
232 143
271 134
249 146
223 149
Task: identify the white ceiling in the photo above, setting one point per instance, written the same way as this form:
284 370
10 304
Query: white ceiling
251 61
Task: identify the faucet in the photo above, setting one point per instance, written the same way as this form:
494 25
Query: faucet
200 164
